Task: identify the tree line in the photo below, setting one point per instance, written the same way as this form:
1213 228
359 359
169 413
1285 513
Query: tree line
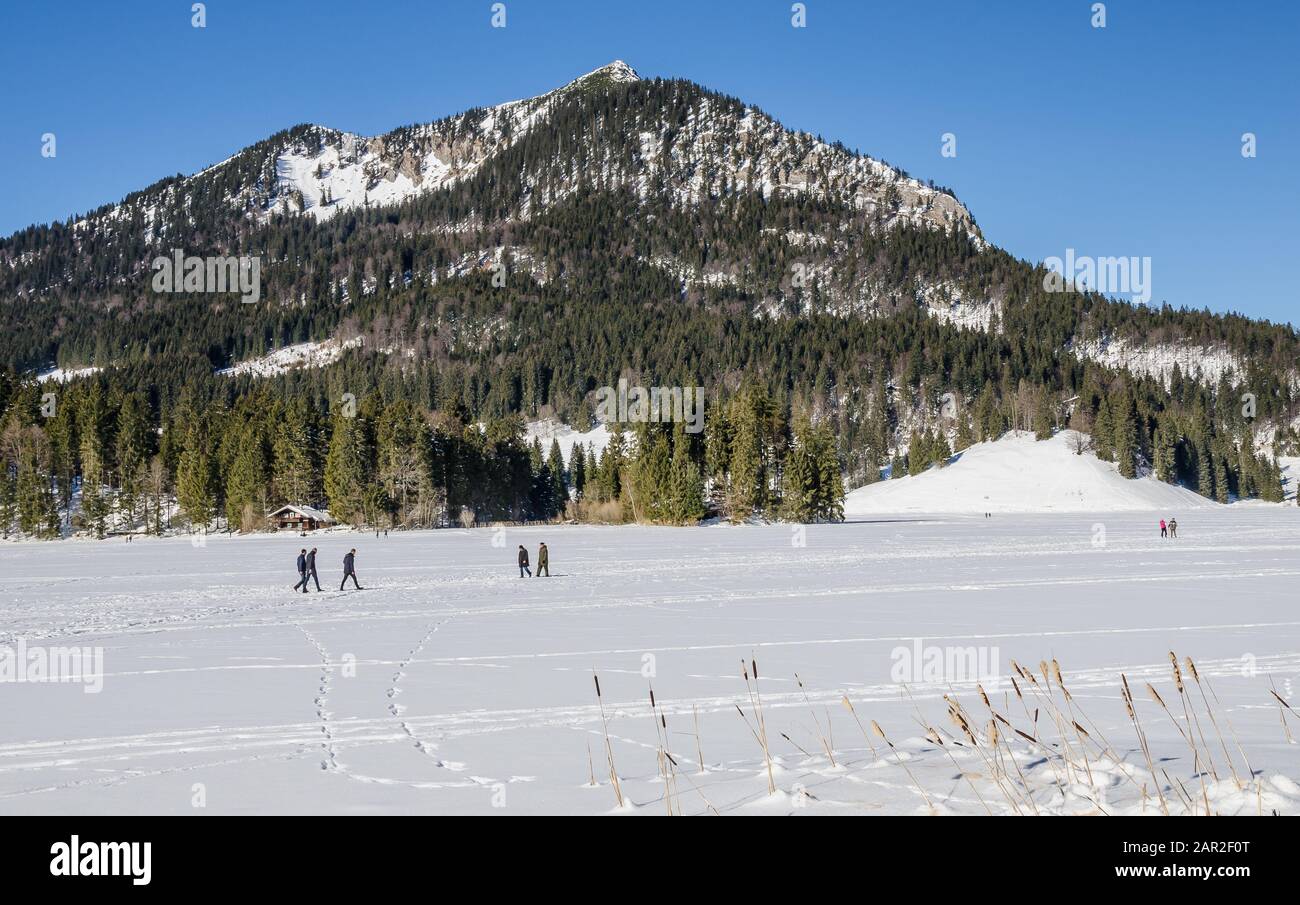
93 457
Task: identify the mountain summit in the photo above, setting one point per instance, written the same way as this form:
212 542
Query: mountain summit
656 136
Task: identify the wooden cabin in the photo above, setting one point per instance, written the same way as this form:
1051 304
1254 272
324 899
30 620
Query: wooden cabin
300 519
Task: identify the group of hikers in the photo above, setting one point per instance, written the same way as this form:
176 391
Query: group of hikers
307 566
307 569
1170 528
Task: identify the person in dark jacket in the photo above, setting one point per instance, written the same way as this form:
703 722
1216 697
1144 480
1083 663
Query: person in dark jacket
311 570
543 561
1173 527
302 571
523 562
349 569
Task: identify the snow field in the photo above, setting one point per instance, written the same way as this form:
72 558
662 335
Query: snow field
450 685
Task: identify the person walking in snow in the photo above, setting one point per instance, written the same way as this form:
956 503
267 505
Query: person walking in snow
302 570
311 570
543 561
1173 527
523 562
349 569
1164 529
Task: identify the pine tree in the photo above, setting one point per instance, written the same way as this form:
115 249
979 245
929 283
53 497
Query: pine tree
246 497
348 470
1043 418
559 489
814 489
1124 433
611 467
918 453
133 447
1164 462
1220 481
196 484
747 478
897 465
578 470
296 460
686 492
1103 432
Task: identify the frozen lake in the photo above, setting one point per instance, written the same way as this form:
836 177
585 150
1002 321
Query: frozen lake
450 685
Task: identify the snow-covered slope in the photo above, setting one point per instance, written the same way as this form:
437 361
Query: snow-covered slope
548 429
1020 474
287 358
63 375
1201 363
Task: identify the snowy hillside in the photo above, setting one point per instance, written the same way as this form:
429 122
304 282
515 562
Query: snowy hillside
1020 474
1201 363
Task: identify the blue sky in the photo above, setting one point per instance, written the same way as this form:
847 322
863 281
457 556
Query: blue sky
1123 140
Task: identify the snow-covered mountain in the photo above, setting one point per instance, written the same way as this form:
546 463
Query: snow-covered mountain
709 145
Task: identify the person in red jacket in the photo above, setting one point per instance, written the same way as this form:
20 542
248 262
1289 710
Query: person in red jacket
1164 529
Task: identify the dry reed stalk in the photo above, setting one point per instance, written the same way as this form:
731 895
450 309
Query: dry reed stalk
760 735
667 765
875 727
1196 677
822 736
1127 695
1052 756
848 705
938 739
1069 705
1059 720
1196 759
1227 720
1282 708
1189 707
609 748
958 715
801 748
1011 755
699 752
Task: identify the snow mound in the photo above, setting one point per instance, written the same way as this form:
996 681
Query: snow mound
1020 474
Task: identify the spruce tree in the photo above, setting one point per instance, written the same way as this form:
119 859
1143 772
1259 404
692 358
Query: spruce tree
348 470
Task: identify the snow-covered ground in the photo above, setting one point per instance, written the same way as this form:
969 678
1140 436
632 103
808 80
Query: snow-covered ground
63 375
451 685
287 358
548 429
1020 474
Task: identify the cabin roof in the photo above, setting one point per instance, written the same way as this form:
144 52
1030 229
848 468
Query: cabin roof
310 512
